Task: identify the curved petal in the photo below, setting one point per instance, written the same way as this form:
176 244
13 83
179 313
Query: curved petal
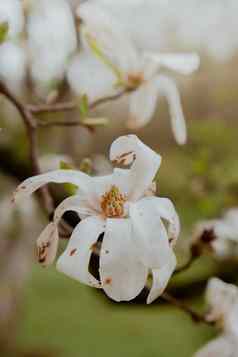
145 162
165 209
167 87
87 75
161 278
184 63
75 260
123 276
142 105
150 236
47 245
32 184
220 347
109 36
74 203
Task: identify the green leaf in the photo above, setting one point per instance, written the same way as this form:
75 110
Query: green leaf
4 29
84 106
95 121
66 166
69 187
86 166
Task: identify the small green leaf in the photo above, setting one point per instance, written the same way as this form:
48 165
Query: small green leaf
95 121
66 166
86 166
4 29
69 187
84 106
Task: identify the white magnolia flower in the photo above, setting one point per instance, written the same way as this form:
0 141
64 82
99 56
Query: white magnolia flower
13 64
118 66
136 242
11 12
220 236
52 40
222 299
13 59
223 346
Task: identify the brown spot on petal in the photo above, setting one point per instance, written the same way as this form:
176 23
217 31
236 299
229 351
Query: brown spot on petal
125 154
107 281
73 251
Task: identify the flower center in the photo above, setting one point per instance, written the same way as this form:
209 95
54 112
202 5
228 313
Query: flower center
112 203
134 80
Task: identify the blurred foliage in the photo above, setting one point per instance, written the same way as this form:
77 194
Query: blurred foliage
202 177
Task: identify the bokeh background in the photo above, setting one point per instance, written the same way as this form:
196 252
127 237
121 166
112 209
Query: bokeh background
42 312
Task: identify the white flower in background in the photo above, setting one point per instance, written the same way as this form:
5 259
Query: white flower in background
136 242
11 12
222 299
219 236
52 40
118 65
13 59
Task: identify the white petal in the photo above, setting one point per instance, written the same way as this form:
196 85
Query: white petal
161 278
52 40
145 163
221 298
150 236
142 105
74 203
13 65
123 276
166 210
32 184
87 75
47 245
110 36
220 347
75 260
182 62
11 12
167 87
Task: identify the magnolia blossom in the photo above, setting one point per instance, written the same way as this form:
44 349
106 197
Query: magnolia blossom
52 40
136 242
219 236
222 299
12 55
118 66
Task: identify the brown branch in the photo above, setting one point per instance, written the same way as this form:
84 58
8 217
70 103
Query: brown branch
28 112
69 106
195 316
31 126
187 265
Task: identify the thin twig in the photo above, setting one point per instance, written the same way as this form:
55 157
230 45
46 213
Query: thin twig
187 265
69 106
28 112
195 316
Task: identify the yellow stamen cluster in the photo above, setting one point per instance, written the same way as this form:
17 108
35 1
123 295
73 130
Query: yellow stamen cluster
112 203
